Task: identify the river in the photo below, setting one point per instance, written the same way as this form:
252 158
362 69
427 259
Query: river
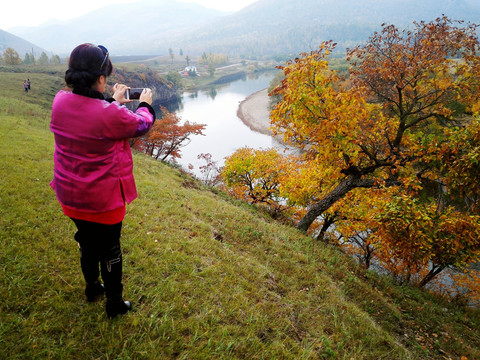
225 132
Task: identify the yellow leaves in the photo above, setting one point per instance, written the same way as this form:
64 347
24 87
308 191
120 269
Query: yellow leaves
255 175
390 126
415 234
311 108
469 280
475 108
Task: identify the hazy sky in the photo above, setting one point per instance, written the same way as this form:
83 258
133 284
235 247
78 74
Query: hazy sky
35 12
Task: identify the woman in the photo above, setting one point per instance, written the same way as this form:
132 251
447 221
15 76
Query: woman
93 176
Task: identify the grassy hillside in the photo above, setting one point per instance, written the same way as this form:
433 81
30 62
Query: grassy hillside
209 278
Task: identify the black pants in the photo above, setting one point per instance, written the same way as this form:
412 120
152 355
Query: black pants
100 245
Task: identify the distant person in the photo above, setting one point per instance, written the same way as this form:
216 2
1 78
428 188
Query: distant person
25 86
93 165
28 83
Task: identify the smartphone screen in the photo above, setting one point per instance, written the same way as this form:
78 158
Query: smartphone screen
133 93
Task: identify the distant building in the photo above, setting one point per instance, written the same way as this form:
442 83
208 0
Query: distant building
190 71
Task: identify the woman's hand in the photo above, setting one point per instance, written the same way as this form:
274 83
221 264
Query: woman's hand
146 96
119 93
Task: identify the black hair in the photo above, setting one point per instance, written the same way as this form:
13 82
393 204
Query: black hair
87 63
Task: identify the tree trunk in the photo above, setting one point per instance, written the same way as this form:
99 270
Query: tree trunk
431 275
328 221
368 256
317 209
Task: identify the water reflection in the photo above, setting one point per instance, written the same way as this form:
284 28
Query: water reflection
171 106
212 93
217 108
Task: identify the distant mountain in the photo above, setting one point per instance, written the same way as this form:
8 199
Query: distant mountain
20 45
291 26
265 28
127 29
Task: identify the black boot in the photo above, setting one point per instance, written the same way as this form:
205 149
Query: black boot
89 261
117 307
111 267
92 291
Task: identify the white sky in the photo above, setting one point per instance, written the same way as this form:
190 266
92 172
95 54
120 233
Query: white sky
35 12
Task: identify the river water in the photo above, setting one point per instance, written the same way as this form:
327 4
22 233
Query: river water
217 108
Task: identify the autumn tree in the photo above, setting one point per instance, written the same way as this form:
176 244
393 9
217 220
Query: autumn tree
213 59
417 237
393 131
11 57
168 136
420 240
373 134
256 176
210 171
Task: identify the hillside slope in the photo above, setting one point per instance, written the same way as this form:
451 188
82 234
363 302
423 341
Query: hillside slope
20 45
209 278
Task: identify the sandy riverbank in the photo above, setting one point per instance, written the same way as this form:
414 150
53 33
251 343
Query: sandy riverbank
254 112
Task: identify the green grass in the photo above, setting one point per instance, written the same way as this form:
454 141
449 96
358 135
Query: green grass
44 86
209 278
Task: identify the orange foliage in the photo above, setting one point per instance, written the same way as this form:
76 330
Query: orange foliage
469 282
418 238
167 137
378 131
378 154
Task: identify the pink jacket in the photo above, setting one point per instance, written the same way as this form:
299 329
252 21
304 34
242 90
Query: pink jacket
93 167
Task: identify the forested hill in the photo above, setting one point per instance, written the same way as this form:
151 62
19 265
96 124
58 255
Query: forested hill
284 26
266 27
